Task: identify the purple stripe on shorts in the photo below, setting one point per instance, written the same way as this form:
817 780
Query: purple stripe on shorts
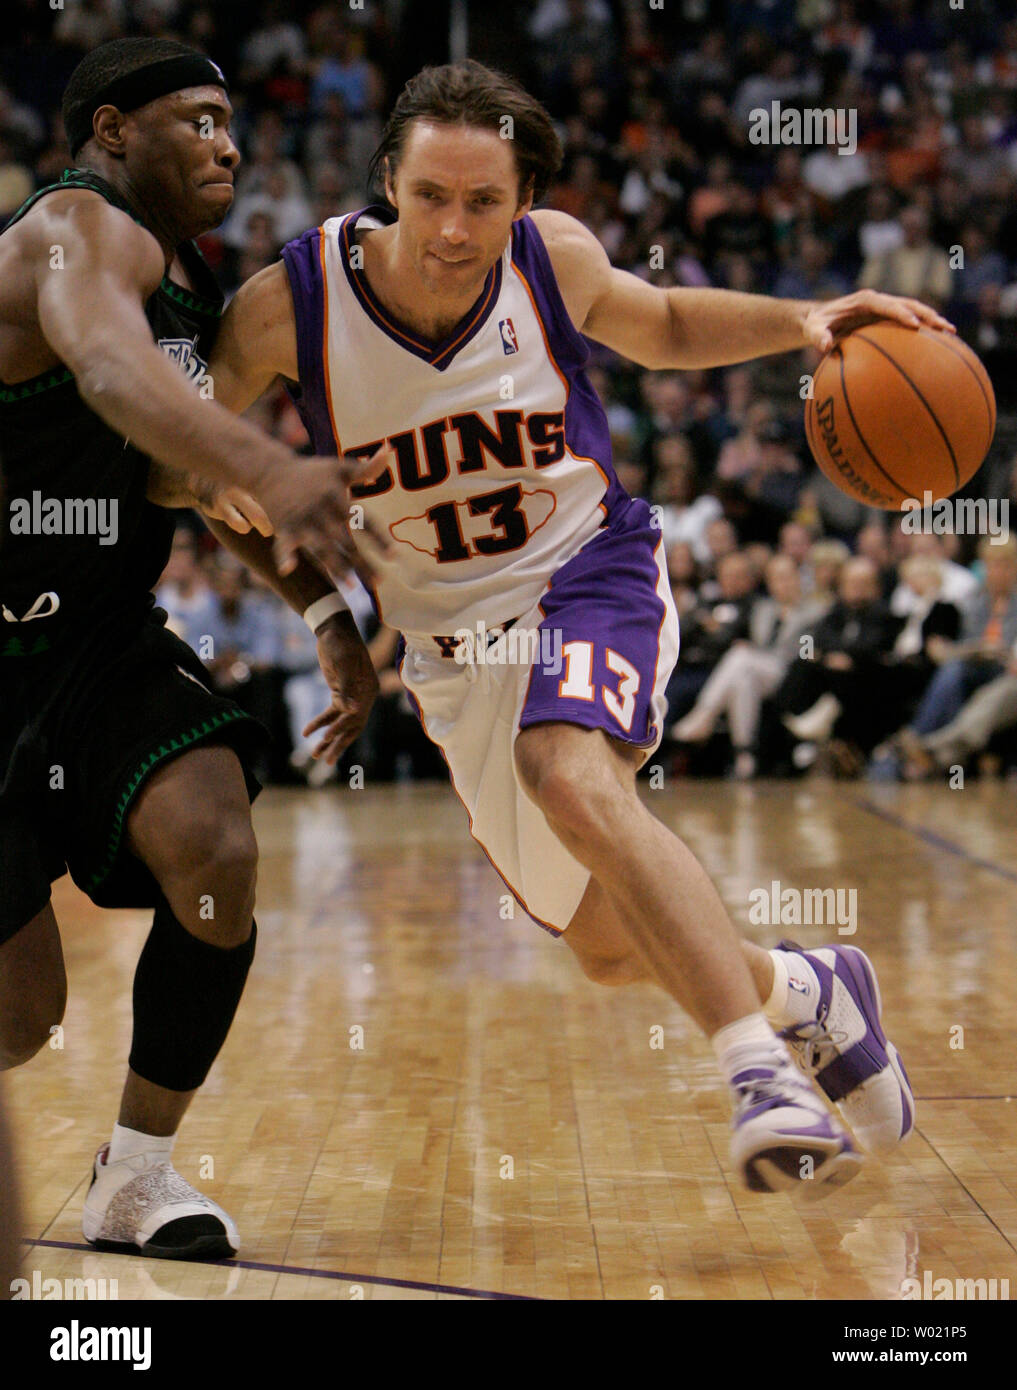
302 259
605 601
586 429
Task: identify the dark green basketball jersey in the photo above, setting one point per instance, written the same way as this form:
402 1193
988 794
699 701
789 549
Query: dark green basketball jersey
76 522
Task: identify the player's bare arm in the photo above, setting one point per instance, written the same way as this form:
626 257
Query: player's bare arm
84 307
695 328
344 658
256 344
257 340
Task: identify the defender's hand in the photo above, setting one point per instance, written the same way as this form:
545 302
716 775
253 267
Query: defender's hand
309 507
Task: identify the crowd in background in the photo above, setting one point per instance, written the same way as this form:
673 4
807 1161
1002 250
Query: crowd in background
815 631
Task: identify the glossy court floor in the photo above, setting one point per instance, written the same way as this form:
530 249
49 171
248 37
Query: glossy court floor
420 1099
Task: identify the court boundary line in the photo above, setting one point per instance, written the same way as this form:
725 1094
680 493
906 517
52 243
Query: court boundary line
932 838
339 1275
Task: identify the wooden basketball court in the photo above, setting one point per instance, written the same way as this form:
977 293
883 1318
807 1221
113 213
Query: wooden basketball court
422 1100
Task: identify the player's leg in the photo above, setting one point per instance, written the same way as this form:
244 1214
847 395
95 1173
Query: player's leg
825 1002
584 784
33 988
191 827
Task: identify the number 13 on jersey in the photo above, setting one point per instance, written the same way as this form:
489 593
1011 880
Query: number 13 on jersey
577 683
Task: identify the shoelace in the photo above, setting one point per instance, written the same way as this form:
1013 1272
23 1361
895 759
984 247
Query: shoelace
815 1043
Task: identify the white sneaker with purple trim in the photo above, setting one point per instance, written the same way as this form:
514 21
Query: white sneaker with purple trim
845 1051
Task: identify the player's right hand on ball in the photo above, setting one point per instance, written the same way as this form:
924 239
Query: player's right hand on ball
309 506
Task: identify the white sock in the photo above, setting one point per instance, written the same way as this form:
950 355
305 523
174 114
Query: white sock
796 989
746 1042
125 1143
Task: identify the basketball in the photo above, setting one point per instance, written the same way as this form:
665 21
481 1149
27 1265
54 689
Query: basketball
900 412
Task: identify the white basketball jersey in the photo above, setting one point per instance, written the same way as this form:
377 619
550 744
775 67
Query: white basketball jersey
503 452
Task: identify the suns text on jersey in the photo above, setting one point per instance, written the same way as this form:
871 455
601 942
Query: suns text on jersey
427 455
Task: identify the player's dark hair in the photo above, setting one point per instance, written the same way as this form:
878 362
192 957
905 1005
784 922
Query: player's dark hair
105 64
471 94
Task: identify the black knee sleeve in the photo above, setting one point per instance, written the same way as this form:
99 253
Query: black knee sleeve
185 995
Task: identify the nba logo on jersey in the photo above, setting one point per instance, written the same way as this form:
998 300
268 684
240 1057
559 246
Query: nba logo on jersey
508 336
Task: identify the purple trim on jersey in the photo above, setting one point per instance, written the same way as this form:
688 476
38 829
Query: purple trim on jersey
587 433
302 259
439 355
606 595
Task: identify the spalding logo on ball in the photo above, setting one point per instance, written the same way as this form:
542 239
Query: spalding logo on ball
899 412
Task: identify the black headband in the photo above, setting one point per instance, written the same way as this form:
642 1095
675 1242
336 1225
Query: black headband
140 87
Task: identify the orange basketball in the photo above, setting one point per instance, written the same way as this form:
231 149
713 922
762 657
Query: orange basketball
898 412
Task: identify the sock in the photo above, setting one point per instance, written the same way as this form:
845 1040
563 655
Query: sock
795 995
185 995
127 1142
747 1042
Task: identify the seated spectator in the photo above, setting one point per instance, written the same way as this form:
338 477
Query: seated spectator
833 690
740 455
880 232
982 266
184 591
795 541
681 514
752 669
808 274
929 618
684 576
305 694
873 542
989 711
774 483
917 268
709 629
957 584
721 541
822 570
988 634
240 647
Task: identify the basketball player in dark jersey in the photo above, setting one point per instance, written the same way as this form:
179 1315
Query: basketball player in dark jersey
116 760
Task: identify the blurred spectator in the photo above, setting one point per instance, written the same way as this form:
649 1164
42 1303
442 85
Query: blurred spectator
682 515
709 629
831 691
184 591
916 267
987 638
752 669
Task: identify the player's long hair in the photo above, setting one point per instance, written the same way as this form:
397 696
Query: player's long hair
471 94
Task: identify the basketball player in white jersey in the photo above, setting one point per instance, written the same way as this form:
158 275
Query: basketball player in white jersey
442 333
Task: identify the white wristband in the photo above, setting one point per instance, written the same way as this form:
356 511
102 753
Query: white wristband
322 608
